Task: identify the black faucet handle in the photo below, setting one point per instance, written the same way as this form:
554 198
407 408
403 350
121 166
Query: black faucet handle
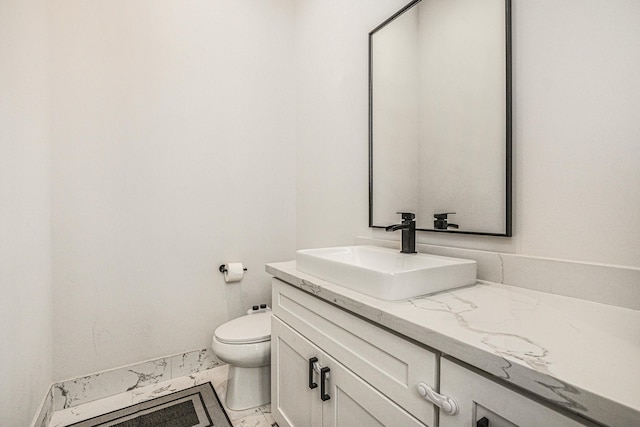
407 216
440 221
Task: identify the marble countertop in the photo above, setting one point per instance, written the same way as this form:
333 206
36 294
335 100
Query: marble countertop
581 355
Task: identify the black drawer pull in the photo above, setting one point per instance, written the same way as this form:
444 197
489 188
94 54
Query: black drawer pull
312 385
483 422
324 374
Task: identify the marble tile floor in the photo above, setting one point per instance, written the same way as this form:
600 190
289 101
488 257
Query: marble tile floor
255 417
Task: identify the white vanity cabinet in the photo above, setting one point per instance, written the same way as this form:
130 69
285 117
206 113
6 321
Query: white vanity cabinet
485 403
370 375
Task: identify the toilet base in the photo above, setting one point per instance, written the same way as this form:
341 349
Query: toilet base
248 387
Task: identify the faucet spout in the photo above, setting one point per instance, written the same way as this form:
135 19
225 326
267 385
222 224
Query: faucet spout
408 228
396 227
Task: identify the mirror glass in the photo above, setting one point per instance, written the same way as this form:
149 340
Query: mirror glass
440 116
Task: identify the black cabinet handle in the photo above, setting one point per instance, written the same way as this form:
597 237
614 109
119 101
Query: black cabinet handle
312 385
483 422
323 382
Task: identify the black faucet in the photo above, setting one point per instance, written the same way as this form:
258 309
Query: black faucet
440 221
408 228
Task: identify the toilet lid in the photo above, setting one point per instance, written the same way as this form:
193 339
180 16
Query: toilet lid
250 328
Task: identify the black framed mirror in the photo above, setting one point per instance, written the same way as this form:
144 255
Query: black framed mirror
440 117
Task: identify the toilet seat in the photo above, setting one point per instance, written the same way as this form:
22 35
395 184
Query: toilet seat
249 329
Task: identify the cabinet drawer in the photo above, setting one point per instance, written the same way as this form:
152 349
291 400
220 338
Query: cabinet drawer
388 362
479 397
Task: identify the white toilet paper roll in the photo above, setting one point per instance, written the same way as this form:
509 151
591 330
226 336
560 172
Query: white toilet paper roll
234 272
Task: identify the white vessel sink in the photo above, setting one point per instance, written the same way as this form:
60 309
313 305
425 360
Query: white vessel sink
386 273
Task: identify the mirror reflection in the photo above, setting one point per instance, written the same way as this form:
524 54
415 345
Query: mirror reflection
440 125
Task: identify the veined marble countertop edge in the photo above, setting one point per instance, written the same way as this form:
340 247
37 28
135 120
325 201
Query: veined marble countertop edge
513 357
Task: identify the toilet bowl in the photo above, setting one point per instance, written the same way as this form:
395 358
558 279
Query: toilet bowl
245 344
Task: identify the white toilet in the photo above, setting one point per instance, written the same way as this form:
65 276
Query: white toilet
245 344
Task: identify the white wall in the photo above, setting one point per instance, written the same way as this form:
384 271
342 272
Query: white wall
25 238
331 54
173 151
576 128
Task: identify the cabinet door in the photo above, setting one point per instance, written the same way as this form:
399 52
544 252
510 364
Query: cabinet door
293 403
479 397
387 361
351 401
354 403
